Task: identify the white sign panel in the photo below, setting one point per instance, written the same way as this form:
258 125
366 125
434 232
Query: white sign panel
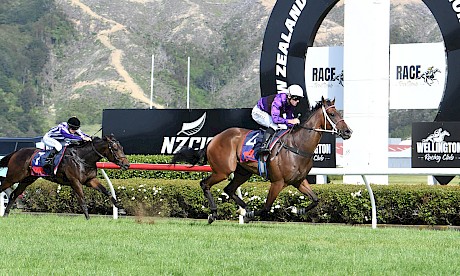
324 74
417 75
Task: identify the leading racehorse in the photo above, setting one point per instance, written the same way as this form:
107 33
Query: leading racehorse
77 168
288 164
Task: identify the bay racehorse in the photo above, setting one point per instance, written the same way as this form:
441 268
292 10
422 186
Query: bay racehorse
77 168
289 162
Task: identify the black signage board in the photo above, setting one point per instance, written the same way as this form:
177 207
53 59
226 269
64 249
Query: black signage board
436 145
164 131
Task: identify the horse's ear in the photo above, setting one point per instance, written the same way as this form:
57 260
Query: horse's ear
323 100
333 101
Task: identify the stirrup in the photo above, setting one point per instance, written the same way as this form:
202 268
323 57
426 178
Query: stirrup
264 150
49 168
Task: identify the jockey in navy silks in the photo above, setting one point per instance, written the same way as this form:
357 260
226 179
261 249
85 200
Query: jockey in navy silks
61 135
269 112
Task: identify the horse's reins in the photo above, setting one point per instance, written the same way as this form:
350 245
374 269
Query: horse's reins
95 150
326 119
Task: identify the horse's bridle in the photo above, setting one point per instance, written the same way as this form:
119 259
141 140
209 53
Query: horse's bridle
334 129
110 145
328 119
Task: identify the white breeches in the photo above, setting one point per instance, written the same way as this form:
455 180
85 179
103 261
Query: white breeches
52 143
264 119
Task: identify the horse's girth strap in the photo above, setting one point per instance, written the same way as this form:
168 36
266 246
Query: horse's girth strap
299 152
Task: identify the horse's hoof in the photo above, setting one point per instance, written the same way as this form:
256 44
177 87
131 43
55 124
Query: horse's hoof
246 219
248 216
211 219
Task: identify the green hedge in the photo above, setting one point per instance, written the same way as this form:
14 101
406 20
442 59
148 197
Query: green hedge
396 204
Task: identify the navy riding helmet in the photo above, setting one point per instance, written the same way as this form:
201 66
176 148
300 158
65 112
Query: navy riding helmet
73 123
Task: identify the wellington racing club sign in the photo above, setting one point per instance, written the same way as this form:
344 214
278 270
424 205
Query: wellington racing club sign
436 145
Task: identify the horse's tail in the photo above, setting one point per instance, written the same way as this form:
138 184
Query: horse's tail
191 156
4 161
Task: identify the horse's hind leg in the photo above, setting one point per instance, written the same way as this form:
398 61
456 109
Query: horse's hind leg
240 175
206 185
17 192
78 189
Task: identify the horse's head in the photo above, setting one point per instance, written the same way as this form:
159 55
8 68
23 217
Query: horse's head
445 133
332 120
114 152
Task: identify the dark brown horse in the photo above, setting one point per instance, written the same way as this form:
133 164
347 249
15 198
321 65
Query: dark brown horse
288 164
77 168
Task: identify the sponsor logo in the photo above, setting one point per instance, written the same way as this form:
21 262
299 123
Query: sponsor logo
456 7
412 75
434 149
321 151
429 76
172 145
326 76
193 127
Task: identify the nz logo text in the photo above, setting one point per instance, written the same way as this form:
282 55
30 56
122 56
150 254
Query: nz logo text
172 145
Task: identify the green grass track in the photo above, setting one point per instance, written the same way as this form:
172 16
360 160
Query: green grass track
70 245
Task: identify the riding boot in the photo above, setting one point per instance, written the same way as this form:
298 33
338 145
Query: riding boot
265 148
49 162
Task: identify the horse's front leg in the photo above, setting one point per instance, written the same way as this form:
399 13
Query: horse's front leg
305 189
275 188
96 184
78 189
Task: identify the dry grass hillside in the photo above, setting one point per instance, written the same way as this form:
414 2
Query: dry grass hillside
111 59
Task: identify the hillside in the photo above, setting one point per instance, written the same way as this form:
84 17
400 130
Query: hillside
117 39
222 38
107 63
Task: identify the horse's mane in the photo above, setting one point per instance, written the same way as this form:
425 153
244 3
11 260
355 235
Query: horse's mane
81 144
312 110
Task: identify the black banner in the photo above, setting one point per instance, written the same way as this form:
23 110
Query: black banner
436 145
291 29
155 131
447 14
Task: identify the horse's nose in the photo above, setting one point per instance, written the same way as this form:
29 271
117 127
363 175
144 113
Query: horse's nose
347 134
125 166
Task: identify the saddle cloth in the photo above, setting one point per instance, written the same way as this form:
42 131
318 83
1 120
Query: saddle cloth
38 161
253 141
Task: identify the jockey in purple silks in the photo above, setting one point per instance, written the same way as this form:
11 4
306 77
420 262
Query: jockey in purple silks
269 112
60 135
